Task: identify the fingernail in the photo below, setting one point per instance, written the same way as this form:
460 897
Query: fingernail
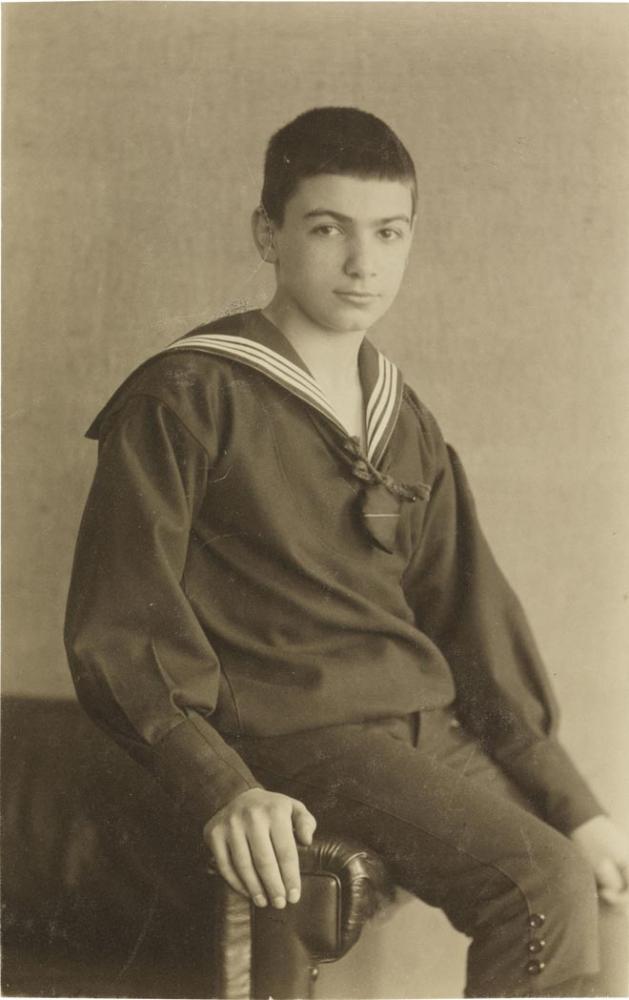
259 900
279 902
293 896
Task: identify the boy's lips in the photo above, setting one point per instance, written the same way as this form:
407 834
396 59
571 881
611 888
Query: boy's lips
355 296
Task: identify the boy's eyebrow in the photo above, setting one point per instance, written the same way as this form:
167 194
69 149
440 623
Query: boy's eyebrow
347 218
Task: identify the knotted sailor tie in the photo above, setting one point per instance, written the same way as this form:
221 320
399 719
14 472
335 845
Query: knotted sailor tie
380 502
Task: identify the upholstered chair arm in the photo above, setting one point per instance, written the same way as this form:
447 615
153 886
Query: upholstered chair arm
265 953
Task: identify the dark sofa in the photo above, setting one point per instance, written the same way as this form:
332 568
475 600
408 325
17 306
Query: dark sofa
106 891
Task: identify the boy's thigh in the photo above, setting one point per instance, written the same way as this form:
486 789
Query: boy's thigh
448 823
444 795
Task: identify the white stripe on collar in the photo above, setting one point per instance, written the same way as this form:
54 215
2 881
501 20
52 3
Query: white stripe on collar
383 412
376 391
380 399
381 404
266 360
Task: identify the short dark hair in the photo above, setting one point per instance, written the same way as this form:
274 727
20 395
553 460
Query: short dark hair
332 141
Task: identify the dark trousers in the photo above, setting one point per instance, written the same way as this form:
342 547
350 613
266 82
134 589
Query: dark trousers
459 836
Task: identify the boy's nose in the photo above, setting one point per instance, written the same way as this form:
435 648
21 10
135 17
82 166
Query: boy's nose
360 262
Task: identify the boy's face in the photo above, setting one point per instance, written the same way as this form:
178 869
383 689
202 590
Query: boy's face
342 249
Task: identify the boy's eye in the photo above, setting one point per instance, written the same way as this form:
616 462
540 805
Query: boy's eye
389 235
326 229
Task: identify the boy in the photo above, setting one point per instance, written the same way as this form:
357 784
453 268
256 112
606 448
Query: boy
281 597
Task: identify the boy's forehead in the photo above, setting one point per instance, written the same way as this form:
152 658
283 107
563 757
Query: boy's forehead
352 196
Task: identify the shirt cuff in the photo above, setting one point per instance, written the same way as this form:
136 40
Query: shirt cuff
197 768
558 791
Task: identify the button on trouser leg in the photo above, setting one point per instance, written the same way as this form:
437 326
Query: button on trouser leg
565 910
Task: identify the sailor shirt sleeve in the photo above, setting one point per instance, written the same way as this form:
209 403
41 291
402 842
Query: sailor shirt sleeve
462 601
143 667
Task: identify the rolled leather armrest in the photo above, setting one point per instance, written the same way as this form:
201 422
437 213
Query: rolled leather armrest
275 953
334 918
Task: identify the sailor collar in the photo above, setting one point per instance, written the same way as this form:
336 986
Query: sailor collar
252 340
259 344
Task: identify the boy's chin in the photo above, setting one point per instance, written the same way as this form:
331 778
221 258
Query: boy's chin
350 320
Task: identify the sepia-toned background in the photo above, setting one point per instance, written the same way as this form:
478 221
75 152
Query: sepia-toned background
134 135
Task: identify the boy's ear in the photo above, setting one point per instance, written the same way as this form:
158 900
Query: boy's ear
263 234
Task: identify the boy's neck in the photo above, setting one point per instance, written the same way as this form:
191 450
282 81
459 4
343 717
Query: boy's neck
332 357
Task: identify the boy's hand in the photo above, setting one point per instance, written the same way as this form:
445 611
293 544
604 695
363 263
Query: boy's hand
253 842
607 849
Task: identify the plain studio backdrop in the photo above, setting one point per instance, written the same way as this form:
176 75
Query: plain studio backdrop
134 138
